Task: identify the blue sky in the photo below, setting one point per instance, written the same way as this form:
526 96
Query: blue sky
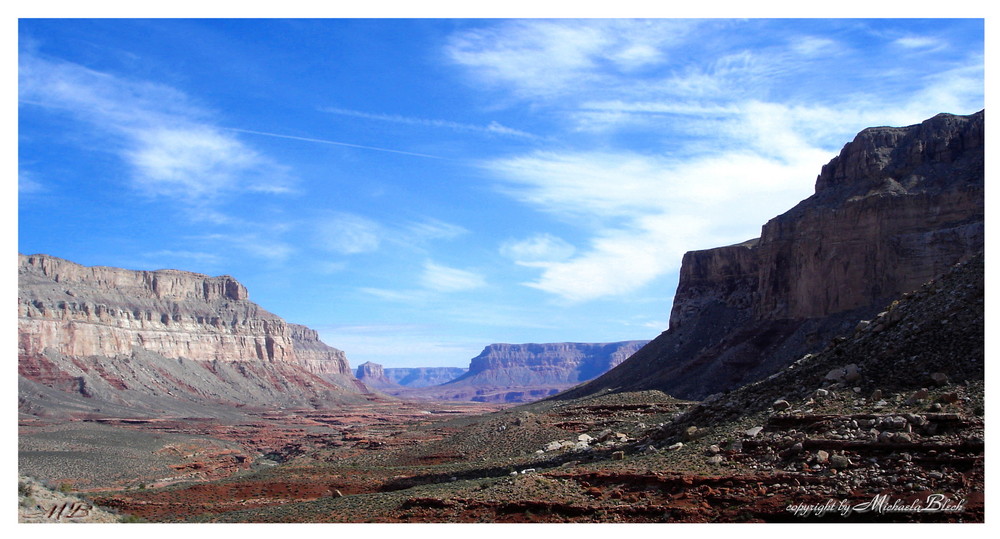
416 189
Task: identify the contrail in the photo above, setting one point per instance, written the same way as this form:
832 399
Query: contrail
335 143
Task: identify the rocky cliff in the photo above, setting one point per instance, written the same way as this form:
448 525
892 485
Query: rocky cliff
528 372
108 332
555 364
896 208
422 376
508 372
373 375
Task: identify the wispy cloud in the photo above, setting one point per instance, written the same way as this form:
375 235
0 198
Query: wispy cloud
257 244
432 229
27 184
545 58
492 128
347 234
919 42
446 279
194 162
538 249
813 45
644 212
169 143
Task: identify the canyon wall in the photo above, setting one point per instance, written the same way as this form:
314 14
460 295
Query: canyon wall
373 375
504 372
896 208
84 324
555 364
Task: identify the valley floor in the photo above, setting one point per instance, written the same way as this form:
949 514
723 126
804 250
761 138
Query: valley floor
610 458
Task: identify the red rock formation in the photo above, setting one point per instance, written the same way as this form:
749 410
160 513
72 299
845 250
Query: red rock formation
372 375
532 365
896 208
82 328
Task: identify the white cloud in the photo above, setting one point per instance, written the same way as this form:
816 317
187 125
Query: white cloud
191 162
540 248
546 58
644 211
432 229
811 45
399 296
172 148
919 42
262 245
445 279
347 234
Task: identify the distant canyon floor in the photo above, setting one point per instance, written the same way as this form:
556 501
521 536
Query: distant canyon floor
608 458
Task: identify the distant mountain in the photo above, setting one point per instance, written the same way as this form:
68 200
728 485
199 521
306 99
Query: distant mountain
422 376
549 364
504 372
166 339
896 208
526 372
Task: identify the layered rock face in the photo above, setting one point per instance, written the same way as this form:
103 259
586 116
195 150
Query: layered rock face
372 375
507 372
317 357
84 324
896 208
553 364
422 376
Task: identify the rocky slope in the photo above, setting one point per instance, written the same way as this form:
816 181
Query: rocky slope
423 376
885 424
145 337
896 207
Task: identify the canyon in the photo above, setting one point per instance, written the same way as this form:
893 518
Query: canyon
839 357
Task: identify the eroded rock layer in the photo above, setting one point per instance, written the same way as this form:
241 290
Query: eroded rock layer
511 365
105 332
896 208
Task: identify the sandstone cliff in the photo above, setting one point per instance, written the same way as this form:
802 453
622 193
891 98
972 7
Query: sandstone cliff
508 372
111 332
528 372
372 375
896 208
555 364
